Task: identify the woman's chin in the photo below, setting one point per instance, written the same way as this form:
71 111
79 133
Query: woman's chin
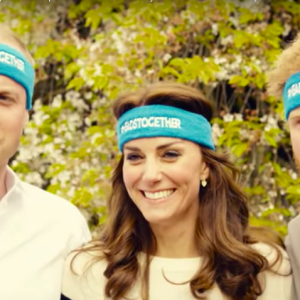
155 219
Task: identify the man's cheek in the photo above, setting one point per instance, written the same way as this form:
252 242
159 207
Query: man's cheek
296 147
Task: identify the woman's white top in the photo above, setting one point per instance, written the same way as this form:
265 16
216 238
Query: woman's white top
90 285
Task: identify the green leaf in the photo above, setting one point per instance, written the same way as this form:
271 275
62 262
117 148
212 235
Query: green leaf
277 168
93 18
76 83
246 16
295 190
239 80
270 139
71 69
240 39
240 149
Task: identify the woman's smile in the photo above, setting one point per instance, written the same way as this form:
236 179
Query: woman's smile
159 196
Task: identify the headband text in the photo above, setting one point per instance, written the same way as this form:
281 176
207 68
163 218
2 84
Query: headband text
294 90
163 122
10 59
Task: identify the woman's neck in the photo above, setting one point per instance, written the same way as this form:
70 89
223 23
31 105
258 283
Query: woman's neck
176 241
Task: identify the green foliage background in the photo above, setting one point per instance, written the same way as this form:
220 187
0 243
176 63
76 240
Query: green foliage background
88 51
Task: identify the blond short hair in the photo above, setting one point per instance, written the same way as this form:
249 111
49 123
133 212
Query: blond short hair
7 35
287 64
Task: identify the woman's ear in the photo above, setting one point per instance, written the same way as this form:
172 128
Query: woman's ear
204 174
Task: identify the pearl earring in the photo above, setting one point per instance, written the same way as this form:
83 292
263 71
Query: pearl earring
204 183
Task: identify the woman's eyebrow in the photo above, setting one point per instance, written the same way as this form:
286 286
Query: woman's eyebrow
169 144
159 147
131 148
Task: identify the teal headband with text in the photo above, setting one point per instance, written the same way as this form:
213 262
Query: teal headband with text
14 65
163 121
291 94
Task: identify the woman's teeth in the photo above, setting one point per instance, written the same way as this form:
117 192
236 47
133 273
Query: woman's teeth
159 195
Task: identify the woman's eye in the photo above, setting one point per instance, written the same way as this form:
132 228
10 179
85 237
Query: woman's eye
171 154
133 157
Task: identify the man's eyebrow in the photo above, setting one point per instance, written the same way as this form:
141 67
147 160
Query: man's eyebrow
295 116
158 148
8 91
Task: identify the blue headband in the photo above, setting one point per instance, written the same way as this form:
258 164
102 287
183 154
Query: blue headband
291 94
167 121
14 65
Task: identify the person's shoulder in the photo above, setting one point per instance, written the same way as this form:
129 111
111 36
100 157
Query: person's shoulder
269 250
83 273
48 209
276 256
294 225
46 200
85 258
277 279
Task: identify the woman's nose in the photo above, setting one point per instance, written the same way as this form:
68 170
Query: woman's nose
152 171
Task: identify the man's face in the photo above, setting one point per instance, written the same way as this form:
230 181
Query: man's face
294 125
13 117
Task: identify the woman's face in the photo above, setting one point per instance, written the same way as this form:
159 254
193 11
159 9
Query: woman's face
162 176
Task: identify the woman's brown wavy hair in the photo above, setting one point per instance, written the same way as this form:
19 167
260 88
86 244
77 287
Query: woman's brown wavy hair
228 260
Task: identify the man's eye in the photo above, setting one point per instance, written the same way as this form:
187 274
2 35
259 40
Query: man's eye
6 98
3 98
296 122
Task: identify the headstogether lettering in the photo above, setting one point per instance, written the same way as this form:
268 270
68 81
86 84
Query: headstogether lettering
162 122
10 59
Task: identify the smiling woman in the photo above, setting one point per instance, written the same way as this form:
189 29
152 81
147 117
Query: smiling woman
178 221
162 177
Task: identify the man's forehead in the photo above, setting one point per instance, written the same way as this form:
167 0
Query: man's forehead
8 85
6 81
295 113
9 41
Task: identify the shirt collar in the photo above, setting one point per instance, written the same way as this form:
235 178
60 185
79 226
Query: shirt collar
11 181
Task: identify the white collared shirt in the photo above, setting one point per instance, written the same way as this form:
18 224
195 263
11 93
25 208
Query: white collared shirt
37 231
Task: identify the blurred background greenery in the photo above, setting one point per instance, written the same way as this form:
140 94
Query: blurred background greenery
87 51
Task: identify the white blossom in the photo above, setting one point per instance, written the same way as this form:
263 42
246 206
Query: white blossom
228 118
